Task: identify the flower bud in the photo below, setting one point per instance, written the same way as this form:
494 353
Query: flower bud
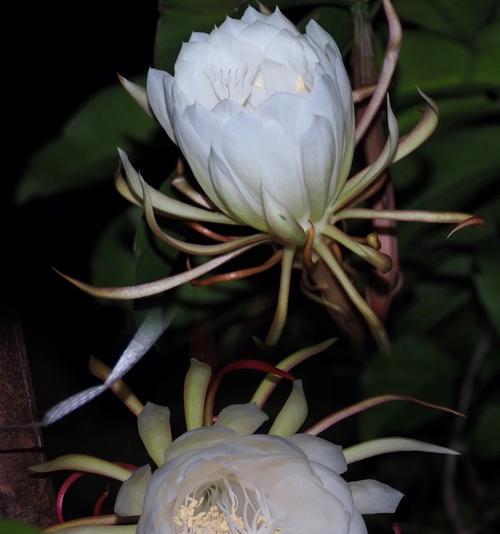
264 116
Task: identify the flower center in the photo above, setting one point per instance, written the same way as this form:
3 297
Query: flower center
224 507
234 83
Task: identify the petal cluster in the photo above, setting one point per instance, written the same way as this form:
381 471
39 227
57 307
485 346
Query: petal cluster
219 479
264 116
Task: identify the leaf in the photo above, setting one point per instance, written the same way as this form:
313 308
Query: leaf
16 527
485 69
113 261
484 438
428 304
458 166
461 19
425 63
85 151
417 368
487 283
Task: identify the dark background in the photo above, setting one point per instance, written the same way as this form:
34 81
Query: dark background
57 56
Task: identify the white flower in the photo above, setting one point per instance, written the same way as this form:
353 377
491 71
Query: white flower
222 478
259 484
264 116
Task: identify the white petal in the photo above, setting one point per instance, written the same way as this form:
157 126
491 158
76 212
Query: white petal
130 498
259 34
342 78
286 49
239 149
244 419
318 34
198 37
320 451
233 63
357 524
299 504
277 77
227 109
197 129
196 51
192 80
232 26
325 100
154 429
200 438
280 220
318 156
336 485
373 497
235 198
287 110
159 87
280 21
281 169
251 15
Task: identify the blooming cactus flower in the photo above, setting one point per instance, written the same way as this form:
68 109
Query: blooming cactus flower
223 478
226 482
265 118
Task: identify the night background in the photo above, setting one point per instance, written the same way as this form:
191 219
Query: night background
64 212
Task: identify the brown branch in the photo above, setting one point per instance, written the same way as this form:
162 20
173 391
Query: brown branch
380 291
22 497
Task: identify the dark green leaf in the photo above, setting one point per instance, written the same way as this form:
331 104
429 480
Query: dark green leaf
458 165
484 438
429 304
425 63
16 527
85 152
113 261
485 69
487 282
154 259
417 368
461 19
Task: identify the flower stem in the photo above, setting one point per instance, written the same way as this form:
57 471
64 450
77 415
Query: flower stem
376 327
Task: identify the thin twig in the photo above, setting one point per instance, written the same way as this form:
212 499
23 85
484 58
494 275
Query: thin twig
464 401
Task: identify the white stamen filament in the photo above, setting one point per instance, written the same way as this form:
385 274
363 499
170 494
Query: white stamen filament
224 507
234 84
